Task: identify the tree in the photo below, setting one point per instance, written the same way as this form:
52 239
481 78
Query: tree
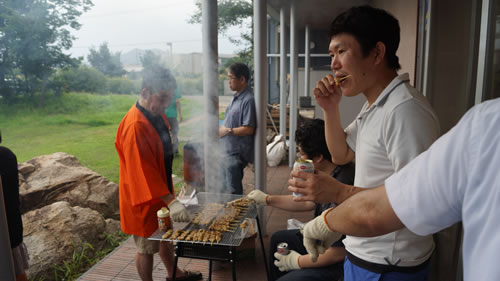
106 62
33 36
150 59
233 13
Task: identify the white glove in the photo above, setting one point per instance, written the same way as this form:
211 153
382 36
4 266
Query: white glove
258 196
178 212
318 237
288 262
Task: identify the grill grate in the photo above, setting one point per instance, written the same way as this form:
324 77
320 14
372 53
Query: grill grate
233 238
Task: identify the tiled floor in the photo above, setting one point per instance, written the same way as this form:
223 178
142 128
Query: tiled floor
120 264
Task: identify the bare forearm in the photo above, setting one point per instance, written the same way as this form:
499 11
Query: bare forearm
331 256
285 202
345 192
365 214
336 138
243 131
238 131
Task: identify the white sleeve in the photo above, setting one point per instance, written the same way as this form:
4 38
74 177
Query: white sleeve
351 134
409 130
427 194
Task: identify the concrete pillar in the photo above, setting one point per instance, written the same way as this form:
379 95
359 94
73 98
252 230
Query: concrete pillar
307 66
293 84
210 95
260 89
283 72
260 94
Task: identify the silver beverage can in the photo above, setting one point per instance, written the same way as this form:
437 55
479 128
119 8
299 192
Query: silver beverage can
283 248
304 165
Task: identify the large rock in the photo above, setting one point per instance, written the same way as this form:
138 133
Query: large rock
60 177
52 233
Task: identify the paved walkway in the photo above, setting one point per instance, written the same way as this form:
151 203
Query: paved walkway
120 264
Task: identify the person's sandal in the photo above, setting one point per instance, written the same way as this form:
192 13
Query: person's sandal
189 275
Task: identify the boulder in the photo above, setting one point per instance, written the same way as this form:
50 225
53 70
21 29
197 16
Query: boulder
53 232
113 227
60 177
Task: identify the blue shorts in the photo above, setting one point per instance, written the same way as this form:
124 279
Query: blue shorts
355 273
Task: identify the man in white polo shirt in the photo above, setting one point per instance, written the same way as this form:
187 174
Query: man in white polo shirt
457 179
394 126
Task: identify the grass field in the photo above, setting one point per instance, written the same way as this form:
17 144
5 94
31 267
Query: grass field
83 125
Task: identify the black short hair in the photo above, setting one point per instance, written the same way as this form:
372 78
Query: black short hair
310 136
156 79
370 25
240 69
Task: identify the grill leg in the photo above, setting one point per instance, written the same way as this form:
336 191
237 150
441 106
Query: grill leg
209 270
234 271
262 246
232 253
176 259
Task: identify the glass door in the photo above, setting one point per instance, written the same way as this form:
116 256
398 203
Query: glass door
488 76
495 93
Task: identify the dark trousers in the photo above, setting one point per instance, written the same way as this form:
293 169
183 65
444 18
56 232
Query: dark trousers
232 174
294 240
10 187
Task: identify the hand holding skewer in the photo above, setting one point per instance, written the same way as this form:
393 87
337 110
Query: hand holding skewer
327 91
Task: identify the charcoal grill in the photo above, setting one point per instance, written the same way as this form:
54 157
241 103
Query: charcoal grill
225 249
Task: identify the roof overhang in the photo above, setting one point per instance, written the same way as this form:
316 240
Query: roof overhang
318 14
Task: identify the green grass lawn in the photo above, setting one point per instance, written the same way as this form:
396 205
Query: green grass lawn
83 125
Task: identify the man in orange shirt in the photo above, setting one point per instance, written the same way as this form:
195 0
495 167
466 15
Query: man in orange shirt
145 150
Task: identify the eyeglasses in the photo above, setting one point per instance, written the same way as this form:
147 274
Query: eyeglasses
232 77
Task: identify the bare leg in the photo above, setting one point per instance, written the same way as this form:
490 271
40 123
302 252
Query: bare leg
167 256
144 264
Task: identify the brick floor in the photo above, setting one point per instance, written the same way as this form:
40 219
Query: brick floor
120 264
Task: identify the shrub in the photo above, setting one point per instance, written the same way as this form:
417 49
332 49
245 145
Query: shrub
121 85
190 86
81 79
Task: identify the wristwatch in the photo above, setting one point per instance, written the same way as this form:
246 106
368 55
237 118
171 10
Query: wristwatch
230 130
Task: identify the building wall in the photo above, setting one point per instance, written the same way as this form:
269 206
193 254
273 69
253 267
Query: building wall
188 63
407 14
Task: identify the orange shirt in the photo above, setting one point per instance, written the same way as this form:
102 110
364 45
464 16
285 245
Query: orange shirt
143 180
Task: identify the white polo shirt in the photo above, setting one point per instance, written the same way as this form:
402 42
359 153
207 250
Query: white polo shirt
385 136
458 178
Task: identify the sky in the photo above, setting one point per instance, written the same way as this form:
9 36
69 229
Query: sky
143 24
